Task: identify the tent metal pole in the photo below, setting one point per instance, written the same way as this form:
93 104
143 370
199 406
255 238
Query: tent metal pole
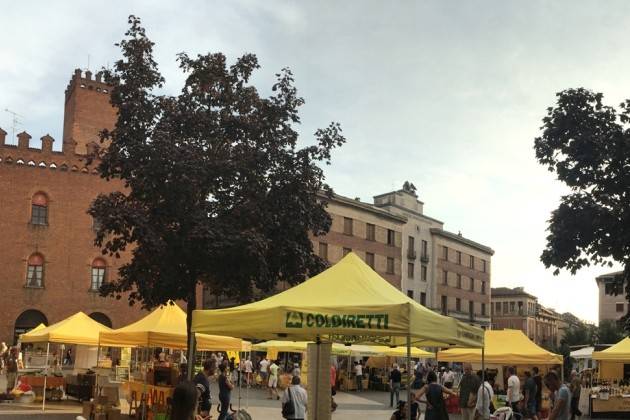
239 378
45 377
483 375
409 402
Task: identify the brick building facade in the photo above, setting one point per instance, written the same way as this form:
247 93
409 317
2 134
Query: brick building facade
49 266
373 234
517 309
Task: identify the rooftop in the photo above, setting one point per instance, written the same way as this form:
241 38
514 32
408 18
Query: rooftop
461 239
506 291
364 206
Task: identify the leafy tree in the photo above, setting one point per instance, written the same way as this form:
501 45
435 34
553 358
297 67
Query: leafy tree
579 334
609 332
217 190
587 145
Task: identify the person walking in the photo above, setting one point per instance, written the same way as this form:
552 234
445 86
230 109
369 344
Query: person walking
333 387
264 372
468 387
249 369
436 406
562 402
529 399
358 375
225 391
539 385
203 386
296 370
273 380
576 389
295 395
11 368
485 394
513 389
395 378
448 378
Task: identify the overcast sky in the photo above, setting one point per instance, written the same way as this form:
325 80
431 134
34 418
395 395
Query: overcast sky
446 94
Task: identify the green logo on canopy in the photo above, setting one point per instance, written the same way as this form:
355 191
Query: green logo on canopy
369 321
294 319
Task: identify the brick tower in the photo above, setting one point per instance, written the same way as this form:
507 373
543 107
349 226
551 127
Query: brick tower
87 110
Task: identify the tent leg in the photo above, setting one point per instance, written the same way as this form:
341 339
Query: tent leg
240 380
45 377
248 384
408 377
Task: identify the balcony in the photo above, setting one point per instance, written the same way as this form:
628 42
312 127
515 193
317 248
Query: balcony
411 254
424 258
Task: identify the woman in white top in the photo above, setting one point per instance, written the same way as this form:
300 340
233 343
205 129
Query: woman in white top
298 397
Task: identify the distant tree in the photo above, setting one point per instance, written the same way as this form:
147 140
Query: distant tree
587 145
217 191
578 334
609 332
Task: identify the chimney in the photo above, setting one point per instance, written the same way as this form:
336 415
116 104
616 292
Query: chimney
47 143
23 140
3 136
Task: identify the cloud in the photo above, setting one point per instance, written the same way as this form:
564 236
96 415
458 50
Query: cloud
449 95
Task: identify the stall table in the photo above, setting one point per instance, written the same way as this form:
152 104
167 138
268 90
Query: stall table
614 407
37 383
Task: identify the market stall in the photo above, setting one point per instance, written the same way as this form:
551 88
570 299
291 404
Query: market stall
610 397
165 327
349 303
583 358
78 329
504 348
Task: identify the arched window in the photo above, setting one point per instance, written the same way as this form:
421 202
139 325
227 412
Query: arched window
39 209
101 318
35 271
99 269
28 320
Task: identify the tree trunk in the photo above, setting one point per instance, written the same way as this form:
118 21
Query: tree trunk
191 305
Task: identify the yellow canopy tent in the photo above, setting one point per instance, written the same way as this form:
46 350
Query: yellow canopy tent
612 360
402 352
503 347
37 328
620 352
166 327
348 303
76 329
275 346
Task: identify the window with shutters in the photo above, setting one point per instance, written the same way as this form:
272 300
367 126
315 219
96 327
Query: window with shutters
370 232
39 209
35 271
347 226
99 269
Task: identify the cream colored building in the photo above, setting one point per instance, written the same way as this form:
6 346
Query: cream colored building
442 270
612 296
373 234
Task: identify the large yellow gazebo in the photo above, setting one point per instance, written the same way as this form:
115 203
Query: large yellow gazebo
165 326
503 347
349 304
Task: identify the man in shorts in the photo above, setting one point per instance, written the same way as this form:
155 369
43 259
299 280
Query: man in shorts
264 372
273 380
